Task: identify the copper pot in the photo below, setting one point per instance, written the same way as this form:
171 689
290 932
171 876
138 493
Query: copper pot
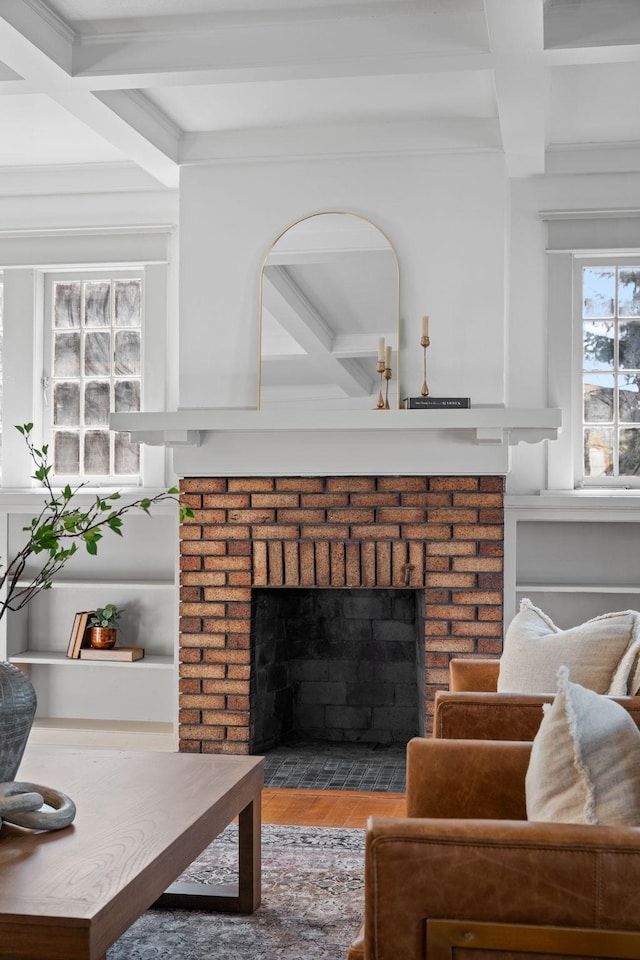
103 638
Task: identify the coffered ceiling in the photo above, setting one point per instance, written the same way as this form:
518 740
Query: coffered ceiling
148 85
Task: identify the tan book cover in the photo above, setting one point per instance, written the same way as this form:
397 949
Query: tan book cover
114 653
79 636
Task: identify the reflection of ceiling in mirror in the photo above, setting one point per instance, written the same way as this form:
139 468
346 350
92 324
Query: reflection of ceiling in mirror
329 291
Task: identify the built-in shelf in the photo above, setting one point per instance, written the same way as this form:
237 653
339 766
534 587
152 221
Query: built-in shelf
95 705
573 553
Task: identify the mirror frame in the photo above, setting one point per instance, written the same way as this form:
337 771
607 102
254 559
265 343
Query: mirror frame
265 259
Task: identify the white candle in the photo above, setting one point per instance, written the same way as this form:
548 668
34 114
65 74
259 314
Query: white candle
381 350
425 326
388 360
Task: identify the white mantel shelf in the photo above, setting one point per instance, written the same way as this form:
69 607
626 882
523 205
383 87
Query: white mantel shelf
489 425
293 442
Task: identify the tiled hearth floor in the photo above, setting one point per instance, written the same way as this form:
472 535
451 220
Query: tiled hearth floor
305 765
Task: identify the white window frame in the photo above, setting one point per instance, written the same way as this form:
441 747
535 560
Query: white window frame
586 482
70 276
25 257
576 239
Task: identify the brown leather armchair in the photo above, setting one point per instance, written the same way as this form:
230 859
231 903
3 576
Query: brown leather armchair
466 875
473 709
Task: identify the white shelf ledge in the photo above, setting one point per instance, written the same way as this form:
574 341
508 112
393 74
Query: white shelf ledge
58 659
62 584
490 425
577 588
104 734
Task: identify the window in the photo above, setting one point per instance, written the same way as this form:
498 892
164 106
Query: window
610 321
94 363
591 259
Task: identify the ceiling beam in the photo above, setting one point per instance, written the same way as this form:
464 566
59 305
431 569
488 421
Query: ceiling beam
40 52
516 36
367 40
596 54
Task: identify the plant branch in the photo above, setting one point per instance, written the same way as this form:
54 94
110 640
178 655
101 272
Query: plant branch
61 527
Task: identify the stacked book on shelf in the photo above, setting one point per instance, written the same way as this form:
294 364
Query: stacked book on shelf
113 653
79 634
436 403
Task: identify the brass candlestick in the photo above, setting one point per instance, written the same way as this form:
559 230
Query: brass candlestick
387 377
380 368
424 341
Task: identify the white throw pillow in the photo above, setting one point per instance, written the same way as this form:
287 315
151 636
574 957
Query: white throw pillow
585 760
600 653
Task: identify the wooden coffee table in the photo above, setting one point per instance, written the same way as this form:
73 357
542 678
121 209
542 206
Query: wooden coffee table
142 819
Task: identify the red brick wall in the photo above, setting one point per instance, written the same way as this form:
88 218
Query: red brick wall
443 534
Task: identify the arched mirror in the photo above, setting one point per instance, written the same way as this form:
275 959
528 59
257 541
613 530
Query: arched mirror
329 293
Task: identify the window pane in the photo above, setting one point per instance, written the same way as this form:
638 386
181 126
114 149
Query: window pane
598 452
66 403
598 291
127 353
126 455
66 454
127 396
96 402
598 398
97 354
96 452
629 346
97 304
598 344
66 304
629 452
128 303
66 355
628 398
629 292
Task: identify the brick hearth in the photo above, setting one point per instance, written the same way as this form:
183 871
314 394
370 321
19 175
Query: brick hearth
443 534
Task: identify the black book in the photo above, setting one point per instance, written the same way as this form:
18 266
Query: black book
437 403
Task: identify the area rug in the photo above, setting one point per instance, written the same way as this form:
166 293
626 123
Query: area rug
312 903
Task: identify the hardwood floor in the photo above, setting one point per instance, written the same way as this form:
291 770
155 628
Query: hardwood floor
328 808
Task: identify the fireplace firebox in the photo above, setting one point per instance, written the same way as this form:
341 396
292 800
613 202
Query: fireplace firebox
343 666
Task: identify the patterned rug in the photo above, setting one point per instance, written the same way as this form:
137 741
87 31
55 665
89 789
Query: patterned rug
312 903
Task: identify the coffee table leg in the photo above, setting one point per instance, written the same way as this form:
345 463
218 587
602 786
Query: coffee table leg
227 898
250 862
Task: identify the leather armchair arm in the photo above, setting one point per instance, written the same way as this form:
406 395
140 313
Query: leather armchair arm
497 716
507 871
471 674
487 716
461 778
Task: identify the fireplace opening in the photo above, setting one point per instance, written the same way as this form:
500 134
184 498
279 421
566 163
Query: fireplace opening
338 666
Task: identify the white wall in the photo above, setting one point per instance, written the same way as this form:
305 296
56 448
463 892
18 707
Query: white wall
444 215
470 243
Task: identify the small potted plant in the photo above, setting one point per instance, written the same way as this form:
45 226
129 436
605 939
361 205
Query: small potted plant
103 627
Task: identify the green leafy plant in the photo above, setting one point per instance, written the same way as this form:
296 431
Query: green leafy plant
56 533
106 617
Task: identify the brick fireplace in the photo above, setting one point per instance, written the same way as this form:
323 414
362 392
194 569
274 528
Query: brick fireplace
439 534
